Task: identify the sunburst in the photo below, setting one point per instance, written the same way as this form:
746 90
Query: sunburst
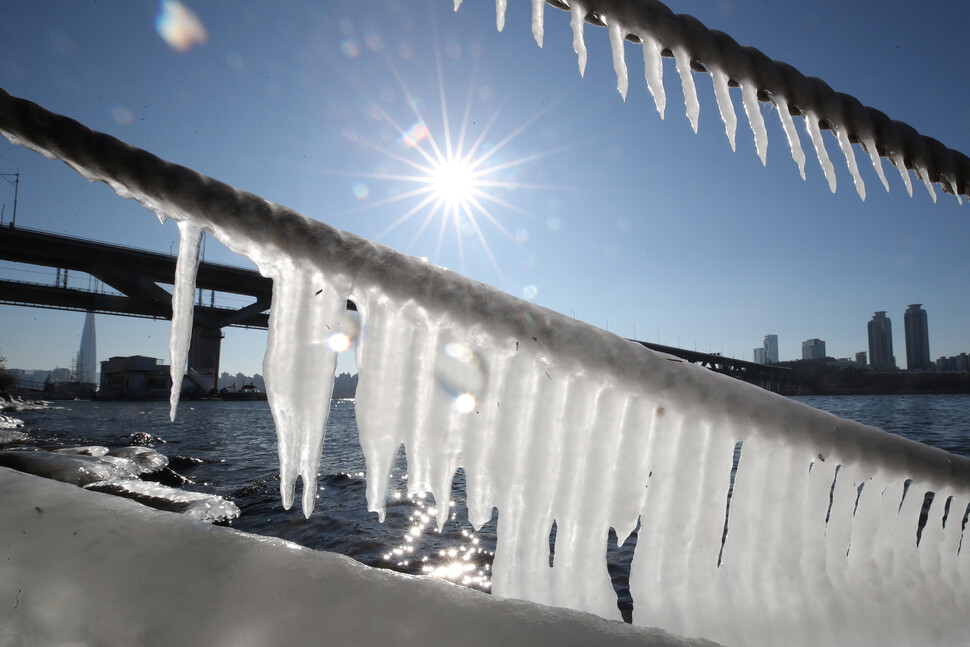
454 182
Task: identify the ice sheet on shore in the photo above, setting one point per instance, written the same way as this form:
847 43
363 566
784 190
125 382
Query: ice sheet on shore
82 566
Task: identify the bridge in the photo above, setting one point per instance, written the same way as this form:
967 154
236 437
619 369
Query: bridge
138 276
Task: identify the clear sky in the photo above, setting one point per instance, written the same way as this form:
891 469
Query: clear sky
598 208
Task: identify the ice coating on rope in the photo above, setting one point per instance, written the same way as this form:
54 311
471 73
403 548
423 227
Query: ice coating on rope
653 71
811 124
577 15
749 96
619 60
794 143
554 420
850 161
538 8
500 6
682 58
722 92
183 297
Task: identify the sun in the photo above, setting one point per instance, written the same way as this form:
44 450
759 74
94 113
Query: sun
452 182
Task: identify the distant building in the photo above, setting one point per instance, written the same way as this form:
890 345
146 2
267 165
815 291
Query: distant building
759 355
771 349
959 362
813 349
881 342
134 378
860 359
917 338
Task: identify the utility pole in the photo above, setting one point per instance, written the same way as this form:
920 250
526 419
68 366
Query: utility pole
16 189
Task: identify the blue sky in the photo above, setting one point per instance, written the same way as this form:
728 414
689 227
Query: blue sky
602 210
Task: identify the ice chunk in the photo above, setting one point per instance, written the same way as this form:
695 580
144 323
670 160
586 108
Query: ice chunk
812 125
147 460
870 144
210 508
924 175
183 308
299 369
577 15
850 161
619 58
900 163
794 143
724 104
500 6
538 8
76 469
752 108
653 70
682 58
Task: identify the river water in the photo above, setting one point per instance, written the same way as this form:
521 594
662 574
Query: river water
237 444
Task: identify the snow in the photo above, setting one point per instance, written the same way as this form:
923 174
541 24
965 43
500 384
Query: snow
557 422
86 568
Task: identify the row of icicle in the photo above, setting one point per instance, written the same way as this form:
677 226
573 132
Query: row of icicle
654 50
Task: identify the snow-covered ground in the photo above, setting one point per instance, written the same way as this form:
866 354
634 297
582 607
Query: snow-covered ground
83 568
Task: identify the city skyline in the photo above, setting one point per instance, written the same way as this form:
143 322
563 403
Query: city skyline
598 212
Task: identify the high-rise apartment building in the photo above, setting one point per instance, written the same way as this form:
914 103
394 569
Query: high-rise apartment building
860 358
771 349
917 338
759 355
881 342
813 349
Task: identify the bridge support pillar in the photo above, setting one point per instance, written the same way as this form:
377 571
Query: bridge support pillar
204 357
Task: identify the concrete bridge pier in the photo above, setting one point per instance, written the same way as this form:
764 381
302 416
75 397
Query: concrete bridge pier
203 370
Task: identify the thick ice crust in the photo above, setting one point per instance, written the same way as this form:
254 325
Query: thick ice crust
84 568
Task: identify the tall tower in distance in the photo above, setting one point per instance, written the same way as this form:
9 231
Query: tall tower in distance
771 349
87 361
917 338
881 342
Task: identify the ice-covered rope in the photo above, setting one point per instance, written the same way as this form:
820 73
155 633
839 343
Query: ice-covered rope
695 48
833 532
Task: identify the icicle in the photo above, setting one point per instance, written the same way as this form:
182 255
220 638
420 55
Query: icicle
183 297
749 95
870 143
577 15
794 143
457 4
299 368
900 164
850 161
811 123
682 58
619 59
723 95
500 14
653 70
925 176
538 8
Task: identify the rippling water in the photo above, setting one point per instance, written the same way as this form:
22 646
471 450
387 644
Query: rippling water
237 443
